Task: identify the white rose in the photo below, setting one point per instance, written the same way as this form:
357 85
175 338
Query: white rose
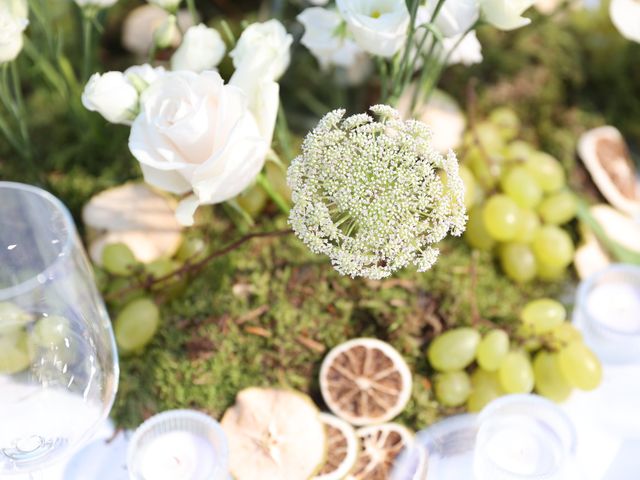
140 25
141 76
321 37
112 96
378 26
625 15
196 134
506 14
318 2
468 51
202 49
455 16
96 3
13 21
170 5
263 49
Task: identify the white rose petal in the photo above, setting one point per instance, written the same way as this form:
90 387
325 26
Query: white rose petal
455 16
321 38
170 5
13 21
378 26
625 15
96 3
196 134
468 52
202 49
264 50
112 96
506 14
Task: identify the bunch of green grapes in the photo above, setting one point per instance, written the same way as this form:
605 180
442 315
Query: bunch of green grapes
544 353
517 200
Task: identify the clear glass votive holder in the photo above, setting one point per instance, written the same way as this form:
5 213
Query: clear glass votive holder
178 445
607 312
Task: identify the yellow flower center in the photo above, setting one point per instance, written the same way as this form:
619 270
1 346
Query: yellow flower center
376 14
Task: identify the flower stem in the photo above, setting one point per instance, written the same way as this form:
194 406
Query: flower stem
21 113
282 204
191 5
87 30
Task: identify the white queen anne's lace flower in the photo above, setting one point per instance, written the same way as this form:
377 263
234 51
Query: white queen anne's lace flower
374 195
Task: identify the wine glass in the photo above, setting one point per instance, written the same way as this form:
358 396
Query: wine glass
58 359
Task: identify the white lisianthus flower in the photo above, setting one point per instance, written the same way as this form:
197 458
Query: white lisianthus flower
202 49
141 76
323 38
169 5
194 134
263 49
625 15
505 14
378 26
13 21
96 3
455 16
113 96
142 22
467 52
318 2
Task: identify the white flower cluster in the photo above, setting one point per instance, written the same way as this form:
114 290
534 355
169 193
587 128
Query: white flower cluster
373 194
13 21
193 134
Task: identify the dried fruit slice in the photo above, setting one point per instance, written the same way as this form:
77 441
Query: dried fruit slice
380 447
274 435
365 381
342 448
136 215
606 156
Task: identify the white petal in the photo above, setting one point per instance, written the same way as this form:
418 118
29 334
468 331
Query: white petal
186 210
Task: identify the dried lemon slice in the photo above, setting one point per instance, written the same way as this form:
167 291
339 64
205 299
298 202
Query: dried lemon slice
274 435
380 447
342 448
365 381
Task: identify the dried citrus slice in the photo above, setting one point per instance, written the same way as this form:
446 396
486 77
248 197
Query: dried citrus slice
365 381
342 448
274 435
380 447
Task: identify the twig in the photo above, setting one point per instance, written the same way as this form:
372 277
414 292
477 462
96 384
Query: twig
190 267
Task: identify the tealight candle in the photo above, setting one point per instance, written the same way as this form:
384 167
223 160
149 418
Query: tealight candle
178 445
608 313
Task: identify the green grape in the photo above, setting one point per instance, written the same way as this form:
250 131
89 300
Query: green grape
563 335
452 388
12 318
485 387
501 216
118 259
192 249
558 208
549 273
14 353
518 262
553 247
136 324
521 187
507 122
50 330
486 172
454 349
489 136
470 186
580 366
543 315
253 200
528 225
550 381
515 373
162 267
518 150
476 234
547 171
120 284
492 349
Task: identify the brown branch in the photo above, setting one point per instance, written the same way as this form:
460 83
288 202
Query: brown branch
193 267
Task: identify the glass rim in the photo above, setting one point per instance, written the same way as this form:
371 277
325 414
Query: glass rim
588 283
34 282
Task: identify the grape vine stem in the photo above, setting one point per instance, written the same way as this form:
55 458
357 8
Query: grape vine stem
191 266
